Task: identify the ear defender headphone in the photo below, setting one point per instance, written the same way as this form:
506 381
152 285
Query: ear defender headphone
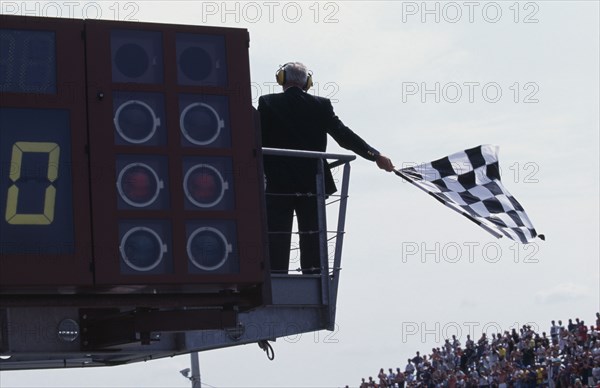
280 77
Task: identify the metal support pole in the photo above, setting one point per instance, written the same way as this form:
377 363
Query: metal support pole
339 241
322 232
195 370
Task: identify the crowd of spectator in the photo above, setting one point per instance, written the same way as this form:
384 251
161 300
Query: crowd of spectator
568 357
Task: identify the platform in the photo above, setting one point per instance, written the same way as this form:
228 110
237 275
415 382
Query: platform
36 337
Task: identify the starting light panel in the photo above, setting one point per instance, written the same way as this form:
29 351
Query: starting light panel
128 158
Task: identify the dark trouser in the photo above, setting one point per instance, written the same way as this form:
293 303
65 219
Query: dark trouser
280 217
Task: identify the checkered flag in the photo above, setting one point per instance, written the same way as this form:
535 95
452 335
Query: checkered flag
469 183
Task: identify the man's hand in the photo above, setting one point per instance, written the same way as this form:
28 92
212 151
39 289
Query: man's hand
384 163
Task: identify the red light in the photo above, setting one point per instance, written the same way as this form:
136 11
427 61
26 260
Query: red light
138 184
204 185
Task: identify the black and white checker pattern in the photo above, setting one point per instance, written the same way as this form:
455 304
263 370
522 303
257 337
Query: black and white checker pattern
470 179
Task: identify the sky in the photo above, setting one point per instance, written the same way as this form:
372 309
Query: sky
418 81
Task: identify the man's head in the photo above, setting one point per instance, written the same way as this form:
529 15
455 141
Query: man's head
294 74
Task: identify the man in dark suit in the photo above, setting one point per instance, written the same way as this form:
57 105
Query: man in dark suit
297 120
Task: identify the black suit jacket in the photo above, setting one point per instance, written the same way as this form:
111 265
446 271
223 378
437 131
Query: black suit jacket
297 120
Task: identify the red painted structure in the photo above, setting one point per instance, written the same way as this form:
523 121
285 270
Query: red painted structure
130 165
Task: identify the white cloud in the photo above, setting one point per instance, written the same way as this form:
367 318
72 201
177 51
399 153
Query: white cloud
563 292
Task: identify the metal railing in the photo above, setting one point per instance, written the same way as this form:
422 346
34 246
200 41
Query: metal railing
329 270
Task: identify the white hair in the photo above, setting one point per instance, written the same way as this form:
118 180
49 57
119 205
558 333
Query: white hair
296 73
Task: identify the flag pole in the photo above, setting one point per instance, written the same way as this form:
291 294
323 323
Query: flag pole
451 205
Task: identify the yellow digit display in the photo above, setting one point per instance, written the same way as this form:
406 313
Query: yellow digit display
45 218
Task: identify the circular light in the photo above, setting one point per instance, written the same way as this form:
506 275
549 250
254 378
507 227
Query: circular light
195 63
138 184
132 60
208 248
68 330
204 186
200 123
135 121
142 248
